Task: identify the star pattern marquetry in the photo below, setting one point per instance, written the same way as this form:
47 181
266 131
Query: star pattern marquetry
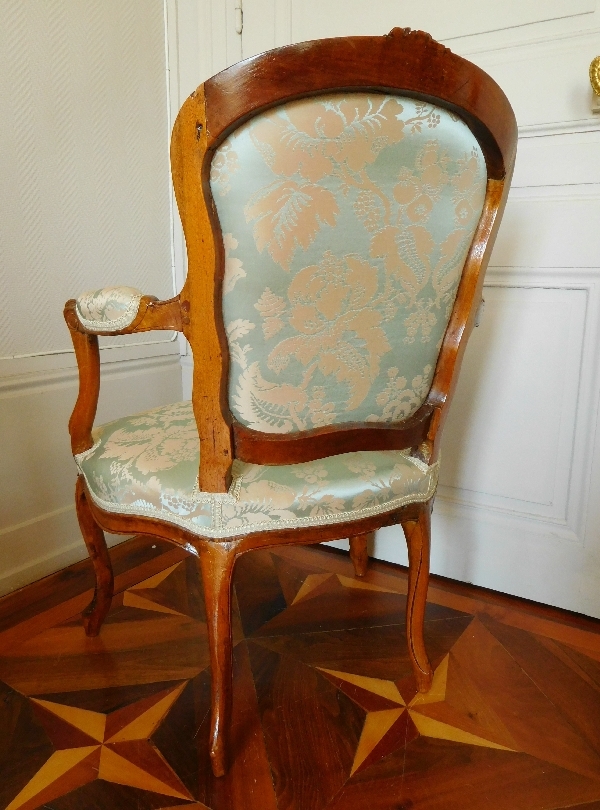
115 747
326 714
312 585
391 722
477 695
144 595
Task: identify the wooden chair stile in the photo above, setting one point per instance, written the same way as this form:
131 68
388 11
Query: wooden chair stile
405 65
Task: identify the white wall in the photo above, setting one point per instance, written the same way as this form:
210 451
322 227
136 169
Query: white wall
85 203
517 508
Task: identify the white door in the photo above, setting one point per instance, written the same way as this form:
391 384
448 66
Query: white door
518 508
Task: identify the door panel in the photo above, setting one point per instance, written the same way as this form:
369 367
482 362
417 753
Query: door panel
313 18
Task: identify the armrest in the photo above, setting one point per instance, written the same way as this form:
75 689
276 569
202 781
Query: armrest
111 311
121 311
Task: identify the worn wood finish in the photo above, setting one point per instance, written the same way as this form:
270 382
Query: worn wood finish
87 354
201 294
418 541
131 524
216 563
95 613
309 445
325 712
405 62
359 554
152 314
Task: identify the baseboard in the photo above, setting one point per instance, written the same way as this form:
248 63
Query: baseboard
41 546
39 533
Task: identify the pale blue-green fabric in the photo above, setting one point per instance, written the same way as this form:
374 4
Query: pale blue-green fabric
148 464
346 221
108 309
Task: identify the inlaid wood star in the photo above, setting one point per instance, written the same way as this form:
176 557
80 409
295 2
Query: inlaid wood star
145 596
115 747
392 722
316 584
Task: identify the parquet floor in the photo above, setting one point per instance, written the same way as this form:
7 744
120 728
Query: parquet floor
326 713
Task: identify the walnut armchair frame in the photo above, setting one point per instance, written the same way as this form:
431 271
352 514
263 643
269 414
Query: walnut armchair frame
403 62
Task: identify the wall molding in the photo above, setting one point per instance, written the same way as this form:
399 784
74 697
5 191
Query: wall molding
45 516
574 192
560 128
62 555
555 37
570 525
40 533
512 520
21 384
52 352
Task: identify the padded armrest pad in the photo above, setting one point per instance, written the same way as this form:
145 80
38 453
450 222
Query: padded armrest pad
109 309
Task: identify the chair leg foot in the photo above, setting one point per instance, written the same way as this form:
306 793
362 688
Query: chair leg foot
218 761
359 553
418 539
216 565
95 613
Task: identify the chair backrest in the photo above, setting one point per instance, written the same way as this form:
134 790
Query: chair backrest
339 200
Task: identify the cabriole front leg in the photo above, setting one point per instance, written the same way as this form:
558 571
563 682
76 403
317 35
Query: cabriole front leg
418 540
216 564
95 613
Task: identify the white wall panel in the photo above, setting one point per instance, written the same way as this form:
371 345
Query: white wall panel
544 229
558 160
313 18
510 433
546 81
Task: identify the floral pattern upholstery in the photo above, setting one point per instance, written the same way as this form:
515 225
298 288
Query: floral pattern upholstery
148 464
346 220
109 309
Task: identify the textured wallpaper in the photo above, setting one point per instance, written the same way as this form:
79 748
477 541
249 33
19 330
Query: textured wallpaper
84 194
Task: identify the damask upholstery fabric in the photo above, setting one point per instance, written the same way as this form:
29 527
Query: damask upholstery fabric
108 309
148 465
346 221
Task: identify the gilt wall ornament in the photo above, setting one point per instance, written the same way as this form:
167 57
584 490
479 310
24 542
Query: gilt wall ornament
595 75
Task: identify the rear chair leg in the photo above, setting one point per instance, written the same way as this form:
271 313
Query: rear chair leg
359 553
216 564
418 539
95 613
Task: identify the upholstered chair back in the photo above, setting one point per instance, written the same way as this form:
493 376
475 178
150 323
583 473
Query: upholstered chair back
346 222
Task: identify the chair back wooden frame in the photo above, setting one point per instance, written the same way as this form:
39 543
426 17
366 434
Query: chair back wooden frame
406 63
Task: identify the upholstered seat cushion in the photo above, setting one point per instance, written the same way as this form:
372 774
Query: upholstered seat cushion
108 309
148 465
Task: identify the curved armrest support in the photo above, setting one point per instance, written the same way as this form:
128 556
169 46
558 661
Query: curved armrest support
111 311
84 412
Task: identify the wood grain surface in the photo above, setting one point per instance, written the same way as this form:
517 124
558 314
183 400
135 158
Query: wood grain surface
326 712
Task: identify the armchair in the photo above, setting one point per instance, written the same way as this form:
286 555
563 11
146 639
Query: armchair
339 200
